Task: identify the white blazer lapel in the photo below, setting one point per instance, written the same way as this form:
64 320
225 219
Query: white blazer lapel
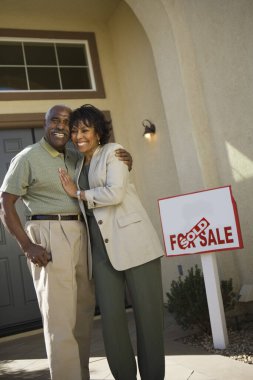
93 164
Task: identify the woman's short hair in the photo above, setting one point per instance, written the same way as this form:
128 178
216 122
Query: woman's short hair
92 117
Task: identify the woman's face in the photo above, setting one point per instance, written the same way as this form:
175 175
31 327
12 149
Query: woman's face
84 138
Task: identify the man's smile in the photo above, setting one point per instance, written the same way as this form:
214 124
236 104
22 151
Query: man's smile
59 134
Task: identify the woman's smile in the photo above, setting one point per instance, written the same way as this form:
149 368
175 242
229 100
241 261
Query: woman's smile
82 143
85 138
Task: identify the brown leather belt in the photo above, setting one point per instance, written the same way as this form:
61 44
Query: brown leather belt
55 217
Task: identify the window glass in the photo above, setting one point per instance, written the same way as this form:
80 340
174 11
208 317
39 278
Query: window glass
11 53
71 55
43 78
40 54
76 78
50 66
12 78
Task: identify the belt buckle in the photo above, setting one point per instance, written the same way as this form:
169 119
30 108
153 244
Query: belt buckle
72 217
62 217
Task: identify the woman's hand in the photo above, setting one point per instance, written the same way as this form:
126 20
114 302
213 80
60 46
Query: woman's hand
67 183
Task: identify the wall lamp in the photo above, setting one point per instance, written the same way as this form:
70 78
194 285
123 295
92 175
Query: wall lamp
149 128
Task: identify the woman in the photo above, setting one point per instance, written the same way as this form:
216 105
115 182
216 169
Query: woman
125 249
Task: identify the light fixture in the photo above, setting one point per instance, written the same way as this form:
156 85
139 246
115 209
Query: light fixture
149 128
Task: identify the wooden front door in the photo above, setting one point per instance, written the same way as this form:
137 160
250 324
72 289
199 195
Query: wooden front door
18 304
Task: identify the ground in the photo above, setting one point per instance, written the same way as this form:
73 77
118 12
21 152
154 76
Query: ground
240 337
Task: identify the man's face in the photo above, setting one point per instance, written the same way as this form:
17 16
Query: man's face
57 127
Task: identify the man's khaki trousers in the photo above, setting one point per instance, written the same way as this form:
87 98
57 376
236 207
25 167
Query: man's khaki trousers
65 296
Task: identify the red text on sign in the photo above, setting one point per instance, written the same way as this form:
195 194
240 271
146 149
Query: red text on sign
216 236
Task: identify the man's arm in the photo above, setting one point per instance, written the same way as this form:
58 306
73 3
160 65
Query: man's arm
124 156
11 221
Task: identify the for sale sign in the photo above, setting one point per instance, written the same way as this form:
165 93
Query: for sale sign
205 221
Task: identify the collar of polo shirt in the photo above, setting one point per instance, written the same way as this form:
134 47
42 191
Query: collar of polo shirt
53 152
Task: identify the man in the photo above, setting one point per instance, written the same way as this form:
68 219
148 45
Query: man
56 243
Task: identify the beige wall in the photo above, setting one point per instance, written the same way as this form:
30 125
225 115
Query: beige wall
203 50
221 33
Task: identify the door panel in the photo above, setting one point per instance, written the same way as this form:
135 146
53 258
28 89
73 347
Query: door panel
38 133
18 303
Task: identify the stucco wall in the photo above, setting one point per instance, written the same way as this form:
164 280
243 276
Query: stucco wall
221 33
203 53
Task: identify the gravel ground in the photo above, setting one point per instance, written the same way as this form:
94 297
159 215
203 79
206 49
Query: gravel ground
240 345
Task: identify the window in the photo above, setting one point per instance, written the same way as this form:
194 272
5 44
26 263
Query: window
49 68
38 66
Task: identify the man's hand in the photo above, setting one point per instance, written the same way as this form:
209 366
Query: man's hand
37 255
124 156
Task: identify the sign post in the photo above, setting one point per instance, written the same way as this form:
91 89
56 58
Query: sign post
203 222
214 301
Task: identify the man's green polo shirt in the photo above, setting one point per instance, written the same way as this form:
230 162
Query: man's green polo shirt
33 175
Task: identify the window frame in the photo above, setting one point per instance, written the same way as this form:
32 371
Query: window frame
60 36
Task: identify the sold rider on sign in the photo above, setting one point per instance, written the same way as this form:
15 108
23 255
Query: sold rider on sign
200 222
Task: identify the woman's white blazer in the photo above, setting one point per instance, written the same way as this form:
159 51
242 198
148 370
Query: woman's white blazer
128 234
